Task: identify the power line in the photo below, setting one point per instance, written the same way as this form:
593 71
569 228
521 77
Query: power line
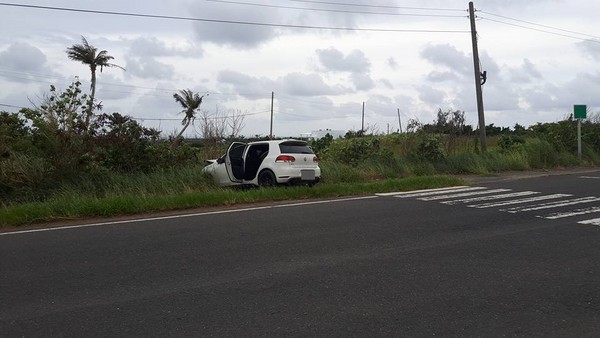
540 30
197 118
314 118
290 98
10 106
335 10
154 16
539 25
378 6
34 77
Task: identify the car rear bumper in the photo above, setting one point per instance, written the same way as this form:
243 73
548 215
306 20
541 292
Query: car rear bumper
298 181
298 175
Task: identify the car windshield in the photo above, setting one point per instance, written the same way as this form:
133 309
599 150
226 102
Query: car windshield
294 148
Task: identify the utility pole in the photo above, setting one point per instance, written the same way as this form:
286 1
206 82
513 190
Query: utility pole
399 122
362 129
272 99
478 80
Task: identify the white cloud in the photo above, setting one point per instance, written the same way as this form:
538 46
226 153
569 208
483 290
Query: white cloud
527 72
23 56
448 57
356 63
320 77
335 60
146 67
230 34
307 85
591 48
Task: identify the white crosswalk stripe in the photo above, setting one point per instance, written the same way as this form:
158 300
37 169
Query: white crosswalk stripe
595 221
420 191
506 201
577 212
550 205
491 198
424 193
463 194
519 201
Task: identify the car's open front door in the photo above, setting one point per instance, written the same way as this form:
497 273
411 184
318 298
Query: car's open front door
234 161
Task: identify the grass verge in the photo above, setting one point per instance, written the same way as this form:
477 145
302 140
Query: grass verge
77 207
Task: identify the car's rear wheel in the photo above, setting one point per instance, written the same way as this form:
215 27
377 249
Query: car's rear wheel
266 178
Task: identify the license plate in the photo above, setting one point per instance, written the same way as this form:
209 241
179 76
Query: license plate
307 175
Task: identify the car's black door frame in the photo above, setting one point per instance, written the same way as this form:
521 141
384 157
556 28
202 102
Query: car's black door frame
234 161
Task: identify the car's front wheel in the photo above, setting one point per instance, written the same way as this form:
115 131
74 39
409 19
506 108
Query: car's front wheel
266 178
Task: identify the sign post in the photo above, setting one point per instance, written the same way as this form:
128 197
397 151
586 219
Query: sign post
580 113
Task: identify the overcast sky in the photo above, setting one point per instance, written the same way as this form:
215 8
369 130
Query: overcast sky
541 58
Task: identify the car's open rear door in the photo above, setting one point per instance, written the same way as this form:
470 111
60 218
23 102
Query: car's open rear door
234 161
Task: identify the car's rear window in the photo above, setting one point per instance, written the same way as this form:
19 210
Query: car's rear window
294 148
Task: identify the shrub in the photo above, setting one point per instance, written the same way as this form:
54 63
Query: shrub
355 150
540 154
319 146
430 149
509 142
24 177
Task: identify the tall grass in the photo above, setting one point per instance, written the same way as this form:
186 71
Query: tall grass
81 205
391 163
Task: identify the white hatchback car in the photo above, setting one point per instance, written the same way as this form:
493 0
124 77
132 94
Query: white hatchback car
266 163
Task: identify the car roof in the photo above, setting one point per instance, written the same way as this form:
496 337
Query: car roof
278 141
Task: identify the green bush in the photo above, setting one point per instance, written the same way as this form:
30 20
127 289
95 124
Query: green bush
24 177
430 149
540 153
355 150
321 145
509 142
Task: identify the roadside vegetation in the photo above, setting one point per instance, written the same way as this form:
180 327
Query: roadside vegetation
65 159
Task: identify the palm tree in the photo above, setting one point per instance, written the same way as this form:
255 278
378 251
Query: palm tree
190 102
89 55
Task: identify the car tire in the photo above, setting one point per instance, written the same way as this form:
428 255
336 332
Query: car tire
266 178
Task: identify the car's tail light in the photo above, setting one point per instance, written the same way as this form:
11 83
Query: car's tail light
285 158
315 159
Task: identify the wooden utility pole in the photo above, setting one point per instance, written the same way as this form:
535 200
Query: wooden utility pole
478 75
272 99
399 122
362 129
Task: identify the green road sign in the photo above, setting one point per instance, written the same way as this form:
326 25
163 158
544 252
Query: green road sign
580 111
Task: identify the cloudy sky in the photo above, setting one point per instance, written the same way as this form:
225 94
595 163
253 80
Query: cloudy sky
321 59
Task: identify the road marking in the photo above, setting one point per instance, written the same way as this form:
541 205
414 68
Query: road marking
491 198
139 220
519 201
591 177
577 212
464 194
550 205
383 194
436 192
595 221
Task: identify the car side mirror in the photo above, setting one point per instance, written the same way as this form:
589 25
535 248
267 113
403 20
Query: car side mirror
220 160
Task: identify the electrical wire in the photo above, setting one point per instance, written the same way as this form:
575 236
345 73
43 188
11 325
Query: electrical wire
261 24
10 106
378 6
540 25
293 99
540 30
197 118
314 118
335 10
35 77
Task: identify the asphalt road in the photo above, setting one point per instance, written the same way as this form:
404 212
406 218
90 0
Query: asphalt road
461 262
